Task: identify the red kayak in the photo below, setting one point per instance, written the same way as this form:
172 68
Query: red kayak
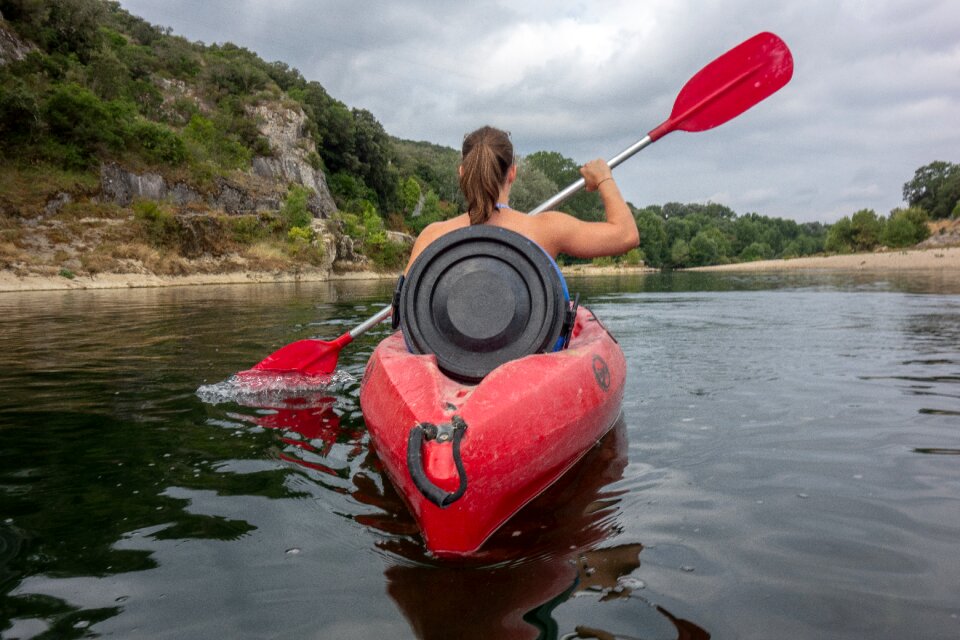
467 457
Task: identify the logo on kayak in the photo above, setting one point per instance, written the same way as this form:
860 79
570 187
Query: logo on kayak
601 372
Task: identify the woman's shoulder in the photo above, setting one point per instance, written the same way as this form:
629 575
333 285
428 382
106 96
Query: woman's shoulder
436 229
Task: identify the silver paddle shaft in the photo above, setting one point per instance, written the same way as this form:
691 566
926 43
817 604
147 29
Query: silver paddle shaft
579 184
371 322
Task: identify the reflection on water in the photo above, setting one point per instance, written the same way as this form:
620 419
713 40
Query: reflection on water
787 465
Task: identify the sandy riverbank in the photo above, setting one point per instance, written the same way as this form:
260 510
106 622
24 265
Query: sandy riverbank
944 258
10 282
927 259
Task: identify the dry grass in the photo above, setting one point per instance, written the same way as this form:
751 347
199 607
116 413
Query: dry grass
266 256
25 191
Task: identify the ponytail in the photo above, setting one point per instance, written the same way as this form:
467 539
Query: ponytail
487 158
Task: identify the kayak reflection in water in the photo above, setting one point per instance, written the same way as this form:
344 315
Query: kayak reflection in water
522 584
487 173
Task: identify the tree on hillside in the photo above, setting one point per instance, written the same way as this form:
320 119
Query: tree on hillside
61 26
532 187
563 171
935 188
653 235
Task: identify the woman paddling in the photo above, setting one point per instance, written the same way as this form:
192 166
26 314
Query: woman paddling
487 173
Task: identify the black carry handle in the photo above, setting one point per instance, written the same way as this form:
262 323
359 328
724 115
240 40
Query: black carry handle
442 433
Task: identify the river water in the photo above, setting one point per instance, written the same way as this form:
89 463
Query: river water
787 465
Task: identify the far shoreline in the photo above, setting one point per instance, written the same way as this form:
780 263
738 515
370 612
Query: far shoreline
933 259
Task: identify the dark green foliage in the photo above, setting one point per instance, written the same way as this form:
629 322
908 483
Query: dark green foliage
20 114
68 27
905 227
679 235
840 236
235 71
866 227
861 232
935 188
75 115
531 188
350 141
160 144
563 171
433 165
756 251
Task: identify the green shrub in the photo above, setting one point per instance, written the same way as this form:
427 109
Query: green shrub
19 113
300 235
603 261
840 236
209 143
388 255
247 229
756 251
905 227
634 257
159 143
158 222
302 244
77 117
294 211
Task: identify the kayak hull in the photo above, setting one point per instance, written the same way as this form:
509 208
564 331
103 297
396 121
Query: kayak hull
524 425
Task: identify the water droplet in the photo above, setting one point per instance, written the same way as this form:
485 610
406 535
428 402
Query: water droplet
687 568
515 534
122 599
293 551
634 584
82 624
803 495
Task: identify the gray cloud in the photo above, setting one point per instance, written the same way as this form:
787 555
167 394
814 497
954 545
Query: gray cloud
875 94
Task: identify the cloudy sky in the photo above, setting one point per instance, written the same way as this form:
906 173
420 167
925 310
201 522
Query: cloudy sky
875 93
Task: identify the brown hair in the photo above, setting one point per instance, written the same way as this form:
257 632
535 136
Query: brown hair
487 158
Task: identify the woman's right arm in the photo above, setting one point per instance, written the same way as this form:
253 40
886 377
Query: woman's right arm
614 236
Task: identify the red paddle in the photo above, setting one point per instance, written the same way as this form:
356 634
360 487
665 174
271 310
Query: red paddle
314 357
722 90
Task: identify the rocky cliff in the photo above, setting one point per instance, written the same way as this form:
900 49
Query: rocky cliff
12 48
263 188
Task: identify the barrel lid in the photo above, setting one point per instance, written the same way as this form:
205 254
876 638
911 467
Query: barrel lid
481 296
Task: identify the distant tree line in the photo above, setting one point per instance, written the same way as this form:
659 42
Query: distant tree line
932 194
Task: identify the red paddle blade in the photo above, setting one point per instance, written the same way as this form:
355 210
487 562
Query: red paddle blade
731 84
306 357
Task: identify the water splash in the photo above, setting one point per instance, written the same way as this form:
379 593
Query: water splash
269 389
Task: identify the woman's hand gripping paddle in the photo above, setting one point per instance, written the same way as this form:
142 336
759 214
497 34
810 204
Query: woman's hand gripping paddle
722 90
